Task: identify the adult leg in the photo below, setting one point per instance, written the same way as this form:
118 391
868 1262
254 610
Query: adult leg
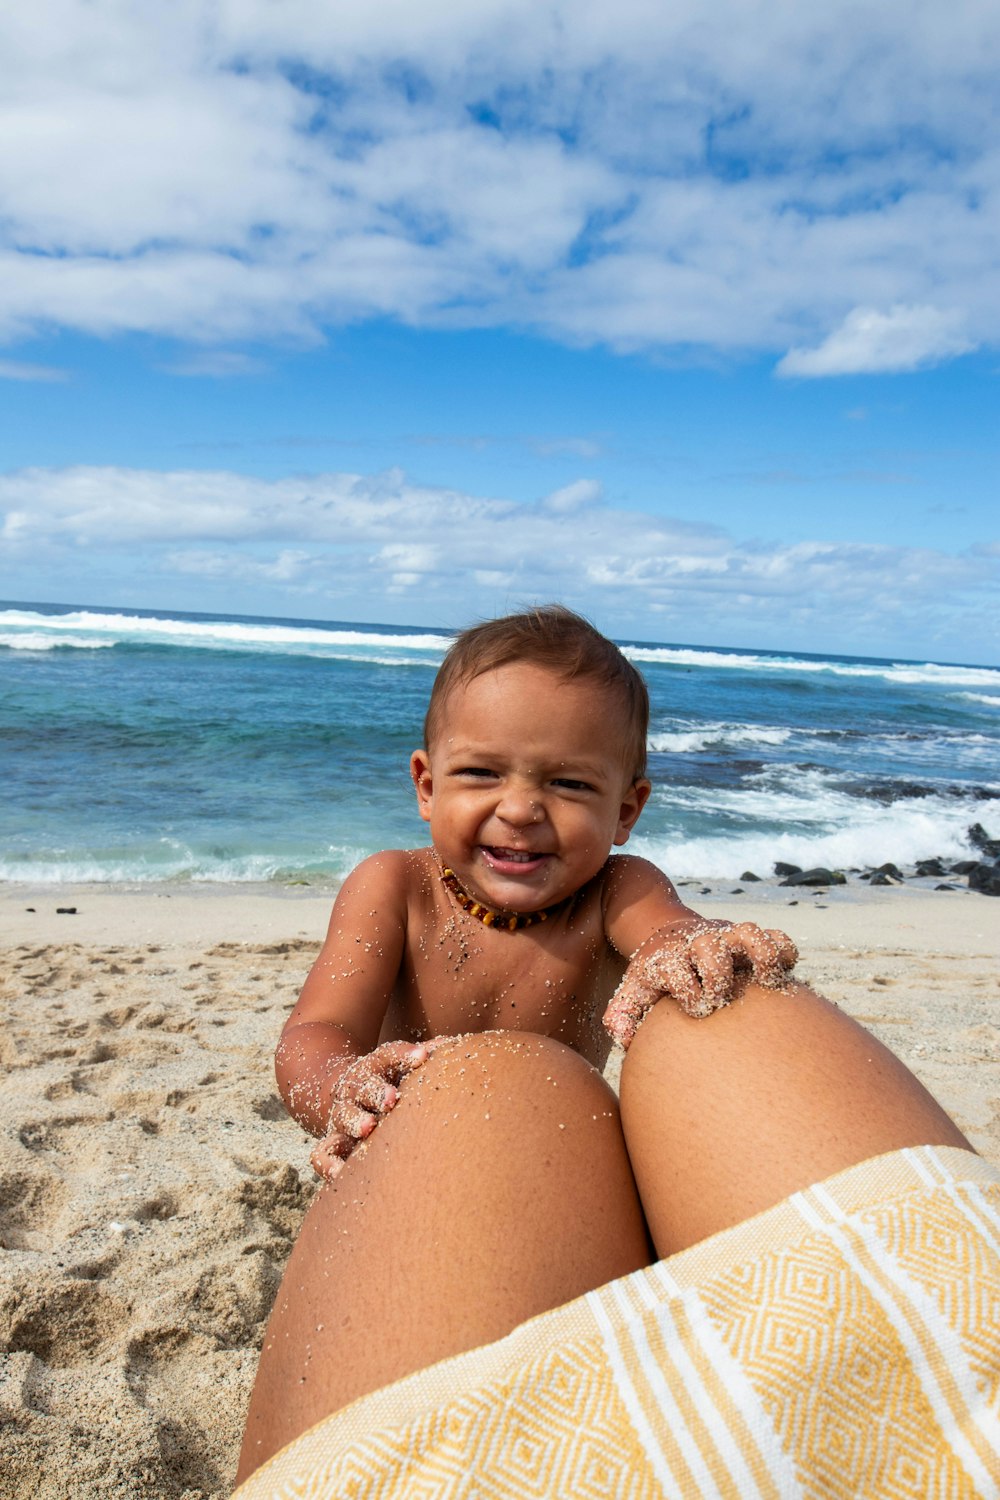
726 1116
497 1188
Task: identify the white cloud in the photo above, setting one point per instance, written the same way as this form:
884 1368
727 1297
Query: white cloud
574 497
11 369
871 342
216 364
349 542
744 178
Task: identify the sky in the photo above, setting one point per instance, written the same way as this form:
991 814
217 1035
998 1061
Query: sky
686 315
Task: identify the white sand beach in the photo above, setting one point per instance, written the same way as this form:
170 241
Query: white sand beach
151 1185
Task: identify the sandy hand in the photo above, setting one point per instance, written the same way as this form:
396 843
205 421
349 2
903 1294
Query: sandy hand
364 1093
699 971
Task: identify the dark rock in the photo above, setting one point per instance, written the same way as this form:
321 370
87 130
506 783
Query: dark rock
890 869
930 867
882 877
29 908
818 876
65 911
706 890
889 791
946 887
738 891
782 869
865 875
964 867
749 875
980 839
985 878
793 903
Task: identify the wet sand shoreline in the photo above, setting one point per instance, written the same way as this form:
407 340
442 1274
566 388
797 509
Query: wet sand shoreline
151 1185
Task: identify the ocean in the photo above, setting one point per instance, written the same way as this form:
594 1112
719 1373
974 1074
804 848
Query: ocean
145 745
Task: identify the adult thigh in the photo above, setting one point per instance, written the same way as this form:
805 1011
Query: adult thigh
727 1116
498 1187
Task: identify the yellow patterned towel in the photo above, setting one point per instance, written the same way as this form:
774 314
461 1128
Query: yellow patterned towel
845 1343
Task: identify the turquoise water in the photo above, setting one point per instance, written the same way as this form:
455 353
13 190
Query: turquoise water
145 745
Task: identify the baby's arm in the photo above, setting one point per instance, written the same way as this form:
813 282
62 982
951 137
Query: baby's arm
335 1080
674 952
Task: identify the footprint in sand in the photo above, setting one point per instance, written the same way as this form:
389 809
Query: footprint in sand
30 1201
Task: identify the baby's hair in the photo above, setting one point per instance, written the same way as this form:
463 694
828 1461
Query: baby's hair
556 638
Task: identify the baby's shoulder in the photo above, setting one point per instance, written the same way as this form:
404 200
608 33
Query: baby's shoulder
392 874
630 873
630 883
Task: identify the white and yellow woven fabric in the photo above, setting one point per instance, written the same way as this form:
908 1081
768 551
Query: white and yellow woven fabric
845 1343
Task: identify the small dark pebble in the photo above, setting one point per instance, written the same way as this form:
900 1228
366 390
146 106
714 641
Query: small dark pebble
738 891
705 890
782 869
890 869
749 875
793 903
65 911
946 887
882 877
29 908
819 907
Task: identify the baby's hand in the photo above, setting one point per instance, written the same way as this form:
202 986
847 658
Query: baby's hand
364 1092
699 972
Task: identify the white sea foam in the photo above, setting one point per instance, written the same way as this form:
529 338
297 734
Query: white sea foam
86 627
938 674
988 698
173 861
709 736
34 640
810 823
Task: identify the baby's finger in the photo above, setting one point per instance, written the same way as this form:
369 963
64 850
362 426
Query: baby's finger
760 949
712 958
373 1093
788 954
670 971
347 1119
627 1006
394 1060
328 1156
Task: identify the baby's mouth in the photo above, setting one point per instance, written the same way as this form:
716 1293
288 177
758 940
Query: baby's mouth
505 860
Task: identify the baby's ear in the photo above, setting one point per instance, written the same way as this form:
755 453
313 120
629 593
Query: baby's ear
420 770
633 803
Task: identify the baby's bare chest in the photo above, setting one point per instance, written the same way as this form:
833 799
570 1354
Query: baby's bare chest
465 978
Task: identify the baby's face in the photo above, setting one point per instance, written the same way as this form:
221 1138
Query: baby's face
526 787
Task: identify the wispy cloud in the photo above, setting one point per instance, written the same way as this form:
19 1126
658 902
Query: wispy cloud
872 342
822 182
11 369
337 538
216 364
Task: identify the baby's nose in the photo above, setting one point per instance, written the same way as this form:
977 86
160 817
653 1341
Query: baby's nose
517 806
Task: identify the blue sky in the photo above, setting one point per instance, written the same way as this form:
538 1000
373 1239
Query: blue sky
383 312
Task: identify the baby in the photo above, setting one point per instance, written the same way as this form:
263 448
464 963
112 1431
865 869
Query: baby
516 917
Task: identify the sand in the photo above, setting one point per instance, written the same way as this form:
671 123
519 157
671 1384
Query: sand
151 1185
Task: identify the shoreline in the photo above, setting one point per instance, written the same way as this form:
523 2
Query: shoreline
151 1185
215 911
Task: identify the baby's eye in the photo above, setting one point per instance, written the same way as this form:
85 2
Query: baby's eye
478 772
568 783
